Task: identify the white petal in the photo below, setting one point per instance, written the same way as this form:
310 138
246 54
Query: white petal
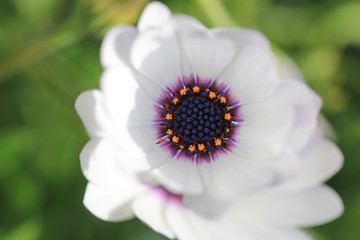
229 175
243 37
116 44
179 176
185 27
178 219
156 55
208 56
264 232
99 163
188 225
150 208
208 204
144 161
307 208
307 105
319 161
252 75
154 15
127 103
111 204
90 107
264 128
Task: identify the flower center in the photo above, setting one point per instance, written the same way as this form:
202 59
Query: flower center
197 119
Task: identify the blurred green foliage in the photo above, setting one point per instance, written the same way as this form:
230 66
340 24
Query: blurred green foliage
49 53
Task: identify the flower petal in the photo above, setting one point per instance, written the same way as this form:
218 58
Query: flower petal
111 204
208 56
127 103
307 208
90 107
267 232
307 105
242 37
319 161
179 176
229 175
99 163
156 55
150 208
263 129
252 75
116 44
154 15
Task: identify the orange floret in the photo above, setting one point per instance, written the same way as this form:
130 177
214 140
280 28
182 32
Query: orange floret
227 130
168 116
212 95
183 92
201 147
217 142
175 139
175 101
227 116
223 99
169 132
196 89
181 146
191 148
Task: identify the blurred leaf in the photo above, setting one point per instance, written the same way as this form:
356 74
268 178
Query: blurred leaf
339 26
107 13
321 69
14 144
29 230
36 12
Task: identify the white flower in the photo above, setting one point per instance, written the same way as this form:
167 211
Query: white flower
190 120
240 123
273 213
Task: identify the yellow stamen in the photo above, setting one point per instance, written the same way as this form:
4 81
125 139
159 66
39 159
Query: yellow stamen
217 142
227 108
168 116
181 146
201 147
227 130
183 92
212 95
169 132
223 99
175 139
227 116
191 148
196 89
175 101
207 89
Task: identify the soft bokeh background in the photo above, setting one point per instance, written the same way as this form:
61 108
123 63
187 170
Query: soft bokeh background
49 53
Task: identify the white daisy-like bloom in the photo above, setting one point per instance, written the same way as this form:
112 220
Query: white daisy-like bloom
195 132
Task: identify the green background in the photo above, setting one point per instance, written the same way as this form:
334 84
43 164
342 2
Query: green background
49 54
